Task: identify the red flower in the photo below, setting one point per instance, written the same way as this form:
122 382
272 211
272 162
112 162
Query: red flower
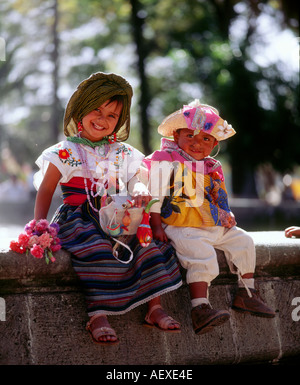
15 246
37 251
63 154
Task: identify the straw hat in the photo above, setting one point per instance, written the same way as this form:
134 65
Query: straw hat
197 117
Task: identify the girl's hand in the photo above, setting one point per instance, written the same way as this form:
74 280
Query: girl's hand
140 195
141 200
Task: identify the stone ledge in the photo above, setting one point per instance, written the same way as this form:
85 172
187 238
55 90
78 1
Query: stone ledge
46 316
277 256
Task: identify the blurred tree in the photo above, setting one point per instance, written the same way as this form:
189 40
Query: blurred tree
171 51
56 111
31 85
259 101
137 19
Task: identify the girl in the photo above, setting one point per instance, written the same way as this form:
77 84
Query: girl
90 164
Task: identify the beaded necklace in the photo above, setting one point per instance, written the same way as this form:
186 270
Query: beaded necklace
99 184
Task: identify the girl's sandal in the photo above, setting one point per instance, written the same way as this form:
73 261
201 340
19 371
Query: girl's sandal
164 323
101 331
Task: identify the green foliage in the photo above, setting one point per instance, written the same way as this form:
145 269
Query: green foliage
188 51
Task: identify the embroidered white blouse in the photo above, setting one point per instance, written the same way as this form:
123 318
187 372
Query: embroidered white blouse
105 163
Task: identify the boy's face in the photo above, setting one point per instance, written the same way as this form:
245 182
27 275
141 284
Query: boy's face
198 146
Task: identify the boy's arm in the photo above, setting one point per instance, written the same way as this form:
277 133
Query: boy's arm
221 201
159 177
157 229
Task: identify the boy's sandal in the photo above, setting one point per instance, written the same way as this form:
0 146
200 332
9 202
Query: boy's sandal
102 331
163 324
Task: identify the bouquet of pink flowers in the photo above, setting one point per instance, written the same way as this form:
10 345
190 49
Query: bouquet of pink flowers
39 238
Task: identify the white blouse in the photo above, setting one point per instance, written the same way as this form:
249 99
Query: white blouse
106 162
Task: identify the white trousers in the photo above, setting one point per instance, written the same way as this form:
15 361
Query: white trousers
195 249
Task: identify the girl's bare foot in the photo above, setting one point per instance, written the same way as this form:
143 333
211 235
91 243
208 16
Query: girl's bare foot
101 330
157 317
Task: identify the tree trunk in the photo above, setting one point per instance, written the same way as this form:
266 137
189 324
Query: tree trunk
55 108
137 28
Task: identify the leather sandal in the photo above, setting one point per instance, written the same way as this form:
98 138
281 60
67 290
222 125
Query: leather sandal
163 324
97 332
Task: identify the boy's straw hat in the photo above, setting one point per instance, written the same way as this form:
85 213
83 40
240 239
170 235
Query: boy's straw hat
197 117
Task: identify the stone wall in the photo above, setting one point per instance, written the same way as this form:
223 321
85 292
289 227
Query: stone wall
43 316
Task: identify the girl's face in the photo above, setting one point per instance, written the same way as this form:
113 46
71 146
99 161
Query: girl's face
198 146
102 121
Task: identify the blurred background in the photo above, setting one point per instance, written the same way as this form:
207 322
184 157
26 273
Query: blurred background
242 57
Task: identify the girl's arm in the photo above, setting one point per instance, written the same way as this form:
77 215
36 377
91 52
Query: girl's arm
46 191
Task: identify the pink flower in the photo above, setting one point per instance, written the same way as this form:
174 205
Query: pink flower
39 238
34 239
29 228
53 229
51 256
45 240
32 223
37 251
23 239
54 248
42 225
56 241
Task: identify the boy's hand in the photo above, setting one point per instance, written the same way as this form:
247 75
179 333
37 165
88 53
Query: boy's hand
159 234
157 229
227 219
231 221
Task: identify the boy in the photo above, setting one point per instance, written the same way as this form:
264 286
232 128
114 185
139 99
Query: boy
193 212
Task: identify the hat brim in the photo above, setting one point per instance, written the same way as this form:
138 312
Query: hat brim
220 130
172 123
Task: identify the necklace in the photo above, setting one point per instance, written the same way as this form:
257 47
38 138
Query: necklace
79 139
98 187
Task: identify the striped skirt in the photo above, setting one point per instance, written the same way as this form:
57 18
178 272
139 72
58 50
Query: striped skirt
112 287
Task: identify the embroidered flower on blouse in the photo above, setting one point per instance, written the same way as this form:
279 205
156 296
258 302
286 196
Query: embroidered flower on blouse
120 155
65 156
